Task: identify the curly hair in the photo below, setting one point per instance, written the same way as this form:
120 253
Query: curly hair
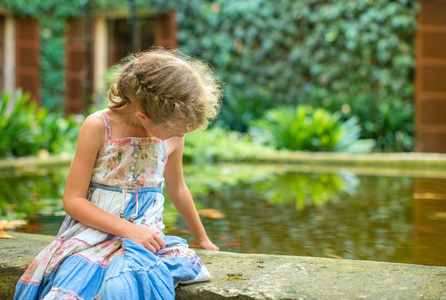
171 88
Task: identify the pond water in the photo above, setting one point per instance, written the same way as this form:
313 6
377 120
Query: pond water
281 211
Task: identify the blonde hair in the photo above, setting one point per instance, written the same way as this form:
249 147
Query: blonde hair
171 88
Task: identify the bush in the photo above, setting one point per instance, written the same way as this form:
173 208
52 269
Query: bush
26 129
281 51
270 53
218 144
306 129
389 121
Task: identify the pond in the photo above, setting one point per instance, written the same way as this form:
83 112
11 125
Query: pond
280 210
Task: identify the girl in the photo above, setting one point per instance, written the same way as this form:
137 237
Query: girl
111 244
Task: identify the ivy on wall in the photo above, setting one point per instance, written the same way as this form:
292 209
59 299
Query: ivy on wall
356 56
351 56
324 53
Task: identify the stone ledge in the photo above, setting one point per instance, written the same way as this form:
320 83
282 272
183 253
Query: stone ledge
246 276
261 276
402 161
387 160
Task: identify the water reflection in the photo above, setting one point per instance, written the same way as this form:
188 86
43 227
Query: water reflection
429 210
37 198
381 218
305 190
373 222
22 197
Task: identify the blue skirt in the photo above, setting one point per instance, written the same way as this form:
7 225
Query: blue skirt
85 263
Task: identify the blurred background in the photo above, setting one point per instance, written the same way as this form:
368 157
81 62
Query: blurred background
353 60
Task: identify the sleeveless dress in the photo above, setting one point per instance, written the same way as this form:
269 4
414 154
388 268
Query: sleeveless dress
85 263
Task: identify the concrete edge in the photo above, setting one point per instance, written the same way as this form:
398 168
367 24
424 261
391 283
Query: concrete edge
402 161
412 159
262 276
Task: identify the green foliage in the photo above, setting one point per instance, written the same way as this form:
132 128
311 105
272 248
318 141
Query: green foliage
16 128
395 127
283 51
389 121
305 129
271 53
42 8
51 62
239 111
26 129
218 144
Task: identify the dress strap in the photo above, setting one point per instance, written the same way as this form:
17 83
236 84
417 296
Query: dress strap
107 126
166 152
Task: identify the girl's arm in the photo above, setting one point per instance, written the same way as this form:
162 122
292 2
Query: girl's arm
180 196
77 206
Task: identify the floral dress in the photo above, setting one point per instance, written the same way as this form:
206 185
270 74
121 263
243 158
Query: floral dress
85 263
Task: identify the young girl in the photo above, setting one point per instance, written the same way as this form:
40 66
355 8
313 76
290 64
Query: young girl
111 245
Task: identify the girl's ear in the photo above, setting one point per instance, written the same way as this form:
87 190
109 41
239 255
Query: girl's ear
142 116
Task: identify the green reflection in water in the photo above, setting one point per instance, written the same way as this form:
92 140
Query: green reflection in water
278 212
37 197
27 196
348 216
307 189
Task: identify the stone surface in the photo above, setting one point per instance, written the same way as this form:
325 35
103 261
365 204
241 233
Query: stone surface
15 256
259 276
246 276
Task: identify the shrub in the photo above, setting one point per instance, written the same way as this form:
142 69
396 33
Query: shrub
271 52
15 128
26 128
389 121
281 51
307 129
218 144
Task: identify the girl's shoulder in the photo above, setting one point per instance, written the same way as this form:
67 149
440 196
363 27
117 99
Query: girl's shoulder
95 121
93 127
175 144
91 136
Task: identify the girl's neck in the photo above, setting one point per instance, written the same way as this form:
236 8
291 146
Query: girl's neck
127 116
126 123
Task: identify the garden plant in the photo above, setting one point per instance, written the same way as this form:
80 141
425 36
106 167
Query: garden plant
306 129
27 128
356 57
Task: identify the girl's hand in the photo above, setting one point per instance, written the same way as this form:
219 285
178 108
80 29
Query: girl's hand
208 245
146 237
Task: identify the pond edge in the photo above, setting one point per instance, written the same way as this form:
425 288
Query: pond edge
404 160
262 276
